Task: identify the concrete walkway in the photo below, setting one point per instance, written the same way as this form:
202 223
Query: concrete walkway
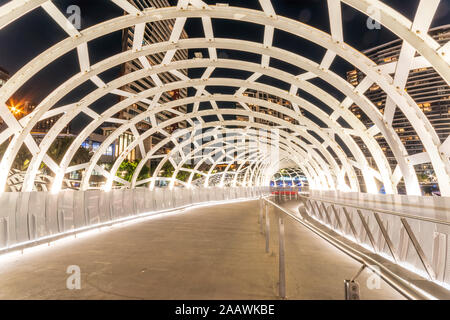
212 252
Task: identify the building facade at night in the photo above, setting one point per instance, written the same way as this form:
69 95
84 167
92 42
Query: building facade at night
23 108
154 32
45 125
263 110
425 86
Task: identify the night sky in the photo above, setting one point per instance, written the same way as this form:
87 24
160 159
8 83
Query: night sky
35 32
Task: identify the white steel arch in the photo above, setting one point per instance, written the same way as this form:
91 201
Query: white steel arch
413 34
299 142
258 140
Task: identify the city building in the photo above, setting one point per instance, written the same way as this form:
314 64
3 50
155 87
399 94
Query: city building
263 110
94 141
22 108
155 32
123 141
425 86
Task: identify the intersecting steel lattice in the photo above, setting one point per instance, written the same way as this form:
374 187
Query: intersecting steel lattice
296 144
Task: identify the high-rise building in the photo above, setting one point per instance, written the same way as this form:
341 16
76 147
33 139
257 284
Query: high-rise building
43 126
425 86
263 110
23 108
155 32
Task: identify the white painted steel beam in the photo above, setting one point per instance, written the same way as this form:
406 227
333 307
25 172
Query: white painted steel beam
414 36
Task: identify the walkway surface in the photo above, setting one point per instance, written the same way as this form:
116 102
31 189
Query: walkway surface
212 252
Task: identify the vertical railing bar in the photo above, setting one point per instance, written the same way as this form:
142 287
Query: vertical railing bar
267 229
281 259
386 236
418 249
260 216
366 227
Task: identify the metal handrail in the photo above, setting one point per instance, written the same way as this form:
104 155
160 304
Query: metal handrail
403 219
385 211
396 282
264 209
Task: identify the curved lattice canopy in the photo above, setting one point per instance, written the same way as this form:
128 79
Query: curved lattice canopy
320 136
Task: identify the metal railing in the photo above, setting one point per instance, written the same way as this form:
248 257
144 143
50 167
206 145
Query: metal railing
347 219
346 224
264 222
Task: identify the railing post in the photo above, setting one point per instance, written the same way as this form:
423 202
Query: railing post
260 218
352 287
267 229
281 259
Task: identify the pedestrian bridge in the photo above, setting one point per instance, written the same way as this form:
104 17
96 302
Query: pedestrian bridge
203 221
213 252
